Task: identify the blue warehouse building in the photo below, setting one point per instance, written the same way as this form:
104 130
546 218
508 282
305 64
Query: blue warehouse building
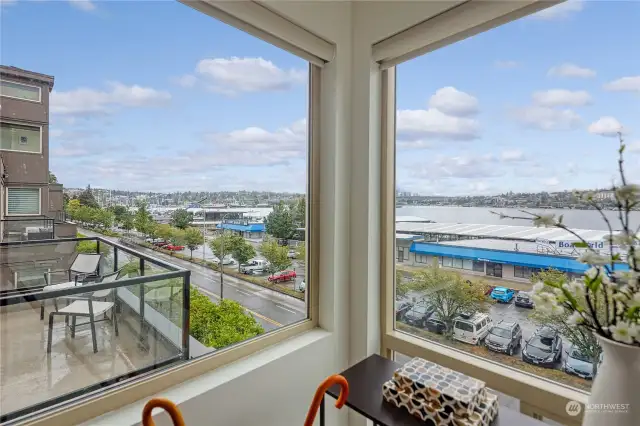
250 230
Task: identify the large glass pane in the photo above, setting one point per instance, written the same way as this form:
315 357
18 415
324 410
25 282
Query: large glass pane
17 137
183 169
19 91
518 121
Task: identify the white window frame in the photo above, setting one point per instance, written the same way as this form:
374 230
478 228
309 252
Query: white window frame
539 397
147 385
9 188
39 101
39 126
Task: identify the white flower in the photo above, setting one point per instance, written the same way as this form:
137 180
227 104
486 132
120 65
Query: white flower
592 273
635 301
575 318
624 332
594 259
545 220
630 192
575 287
628 278
537 287
623 239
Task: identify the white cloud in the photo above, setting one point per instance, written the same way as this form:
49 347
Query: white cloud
560 11
186 80
552 181
236 75
633 146
457 167
433 123
512 156
479 187
452 101
571 70
90 101
413 144
561 97
545 118
506 64
85 5
605 126
624 84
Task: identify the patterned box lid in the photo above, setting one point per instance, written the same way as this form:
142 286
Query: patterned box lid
434 381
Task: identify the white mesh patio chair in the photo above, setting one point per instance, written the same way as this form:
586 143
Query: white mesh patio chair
92 306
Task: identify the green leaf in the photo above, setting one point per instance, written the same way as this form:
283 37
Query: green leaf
580 244
616 256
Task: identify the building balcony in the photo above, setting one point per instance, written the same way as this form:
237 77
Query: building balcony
139 305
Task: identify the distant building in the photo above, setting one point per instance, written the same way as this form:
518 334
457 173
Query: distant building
605 196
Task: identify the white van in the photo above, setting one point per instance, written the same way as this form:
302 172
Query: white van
472 328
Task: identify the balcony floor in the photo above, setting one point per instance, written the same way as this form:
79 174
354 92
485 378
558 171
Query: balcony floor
29 376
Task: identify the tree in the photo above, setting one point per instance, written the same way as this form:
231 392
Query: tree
143 221
119 213
301 253
222 245
402 286
276 255
87 199
581 338
72 208
165 232
279 223
449 293
300 212
220 324
127 223
193 239
181 218
242 250
52 178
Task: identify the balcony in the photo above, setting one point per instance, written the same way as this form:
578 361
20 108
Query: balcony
149 299
27 229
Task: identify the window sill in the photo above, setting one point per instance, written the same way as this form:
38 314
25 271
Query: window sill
543 397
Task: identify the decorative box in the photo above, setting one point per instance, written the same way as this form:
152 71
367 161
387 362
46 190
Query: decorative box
440 396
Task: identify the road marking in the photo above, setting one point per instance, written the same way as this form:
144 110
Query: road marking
243 292
267 319
286 309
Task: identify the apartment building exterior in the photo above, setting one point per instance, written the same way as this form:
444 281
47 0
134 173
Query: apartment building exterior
31 207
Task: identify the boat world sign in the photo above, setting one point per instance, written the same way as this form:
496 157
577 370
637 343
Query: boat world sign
595 245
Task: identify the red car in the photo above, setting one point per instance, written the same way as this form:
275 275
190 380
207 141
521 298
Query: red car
282 276
173 248
160 243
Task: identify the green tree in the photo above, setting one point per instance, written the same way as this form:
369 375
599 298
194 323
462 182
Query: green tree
222 245
300 212
72 208
242 250
279 223
581 338
52 178
220 324
181 218
402 285
119 212
449 293
193 239
301 253
127 223
143 221
276 255
165 232
86 198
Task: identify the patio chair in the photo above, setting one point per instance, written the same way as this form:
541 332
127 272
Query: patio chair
90 305
85 267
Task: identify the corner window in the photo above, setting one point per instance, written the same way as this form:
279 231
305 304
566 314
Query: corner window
17 137
23 201
11 89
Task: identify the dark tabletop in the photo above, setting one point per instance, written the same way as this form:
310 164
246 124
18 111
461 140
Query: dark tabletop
365 397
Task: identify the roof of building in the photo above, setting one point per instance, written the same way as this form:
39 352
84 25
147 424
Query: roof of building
412 219
532 260
27 75
252 227
408 237
500 231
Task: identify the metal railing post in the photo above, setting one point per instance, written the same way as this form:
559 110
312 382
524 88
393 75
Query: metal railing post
115 259
142 327
186 310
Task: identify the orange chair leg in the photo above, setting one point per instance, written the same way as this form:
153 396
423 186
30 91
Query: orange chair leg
322 389
165 404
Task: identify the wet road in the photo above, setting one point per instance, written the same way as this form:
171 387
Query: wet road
270 308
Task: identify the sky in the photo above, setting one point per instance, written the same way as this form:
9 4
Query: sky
531 106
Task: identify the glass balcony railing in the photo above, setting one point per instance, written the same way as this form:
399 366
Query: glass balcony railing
67 331
27 229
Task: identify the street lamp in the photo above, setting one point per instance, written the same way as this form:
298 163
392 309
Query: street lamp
221 259
204 227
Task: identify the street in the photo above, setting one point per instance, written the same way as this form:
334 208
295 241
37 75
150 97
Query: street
270 308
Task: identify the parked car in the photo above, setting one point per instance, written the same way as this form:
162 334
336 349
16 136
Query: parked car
292 254
153 240
506 336
544 348
160 243
489 289
524 300
171 247
472 328
228 260
502 294
282 276
419 314
578 363
301 287
254 267
436 325
402 307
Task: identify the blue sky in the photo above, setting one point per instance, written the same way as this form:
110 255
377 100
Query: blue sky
199 105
